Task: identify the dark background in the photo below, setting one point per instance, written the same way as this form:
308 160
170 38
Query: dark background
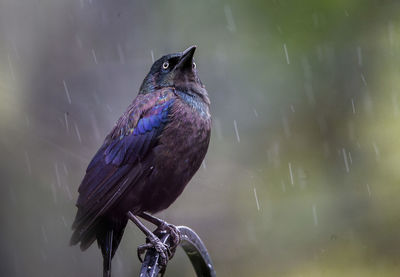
306 184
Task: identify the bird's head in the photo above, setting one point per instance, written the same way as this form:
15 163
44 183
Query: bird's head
176 70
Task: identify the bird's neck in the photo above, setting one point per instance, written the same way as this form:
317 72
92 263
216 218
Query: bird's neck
195 101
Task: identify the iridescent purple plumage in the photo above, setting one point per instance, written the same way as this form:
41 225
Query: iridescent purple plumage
150 155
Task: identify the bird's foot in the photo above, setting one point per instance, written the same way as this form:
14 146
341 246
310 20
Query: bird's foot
175 235
173 231
162 249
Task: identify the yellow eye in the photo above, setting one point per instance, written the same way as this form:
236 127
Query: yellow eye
165 65
194 65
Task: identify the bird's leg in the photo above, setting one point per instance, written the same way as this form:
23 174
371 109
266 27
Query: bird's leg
163 226
154 241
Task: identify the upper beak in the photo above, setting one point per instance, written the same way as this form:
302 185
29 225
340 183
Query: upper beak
186 60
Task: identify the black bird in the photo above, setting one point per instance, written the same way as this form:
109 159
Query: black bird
147 159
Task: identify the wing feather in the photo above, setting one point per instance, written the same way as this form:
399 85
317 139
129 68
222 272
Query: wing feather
116 166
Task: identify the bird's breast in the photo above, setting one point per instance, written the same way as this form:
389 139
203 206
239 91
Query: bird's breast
185 140
178 155
189 128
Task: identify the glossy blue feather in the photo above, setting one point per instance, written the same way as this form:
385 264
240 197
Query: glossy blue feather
130 145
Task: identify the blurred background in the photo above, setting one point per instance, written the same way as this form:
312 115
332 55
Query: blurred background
302 176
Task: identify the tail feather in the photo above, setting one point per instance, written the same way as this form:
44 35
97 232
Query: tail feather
108 233
108 239
107 250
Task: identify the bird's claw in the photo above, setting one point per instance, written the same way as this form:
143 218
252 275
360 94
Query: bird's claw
175 236
162 249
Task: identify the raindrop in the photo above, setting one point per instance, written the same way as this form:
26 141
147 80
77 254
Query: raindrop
306 67
15 50
54 192
152 55
204 164
236 130
78 41
283 186
94 56
44 234
377 152
286 53
273 155
28 163
368 104
346 163
350 159
346 13
255 112
291 174
369 190
57 175
11 67
353 106
292 108
67 92
68 192
363 79
78 134
315 216
64 221
66 122
65 169
96 97
255 195
302 177
120 54
229 19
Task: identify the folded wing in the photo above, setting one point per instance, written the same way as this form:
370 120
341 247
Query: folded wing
116 166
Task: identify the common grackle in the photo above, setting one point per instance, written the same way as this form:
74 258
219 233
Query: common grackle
147 159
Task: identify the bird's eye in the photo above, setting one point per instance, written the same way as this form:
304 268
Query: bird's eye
165 65
194 65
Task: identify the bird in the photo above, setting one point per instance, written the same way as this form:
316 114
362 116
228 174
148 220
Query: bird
147 159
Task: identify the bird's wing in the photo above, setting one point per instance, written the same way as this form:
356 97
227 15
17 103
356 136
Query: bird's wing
117 165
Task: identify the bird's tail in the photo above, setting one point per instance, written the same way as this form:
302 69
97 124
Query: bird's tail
106 250
108 239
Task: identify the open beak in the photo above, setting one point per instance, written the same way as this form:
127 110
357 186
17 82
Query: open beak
186 60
